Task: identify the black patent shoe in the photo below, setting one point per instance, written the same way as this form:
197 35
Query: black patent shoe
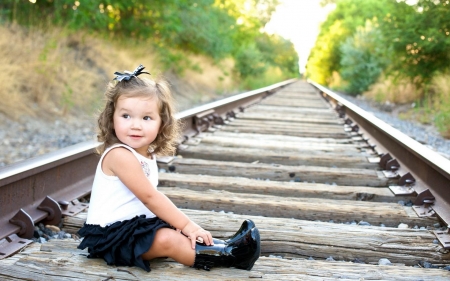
246 227
241 250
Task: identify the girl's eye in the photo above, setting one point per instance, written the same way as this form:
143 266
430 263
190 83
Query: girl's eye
147 118
126 116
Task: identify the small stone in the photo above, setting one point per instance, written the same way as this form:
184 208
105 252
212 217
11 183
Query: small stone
331 221
435 241
364 223
447 267
422 228
357 261
437 225
382 225
384 262
415 227
61 235
67 235
42 240
53 228
403 226
426 264
297 179
330 258
353 223
310 258
162 170
272 256
401 202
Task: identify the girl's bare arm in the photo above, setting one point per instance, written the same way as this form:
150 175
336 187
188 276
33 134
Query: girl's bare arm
122 163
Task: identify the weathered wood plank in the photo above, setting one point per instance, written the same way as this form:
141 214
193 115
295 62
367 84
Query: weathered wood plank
376 213
283 138
276 188
283 157
288 118
300 132
316 174
294 103
286 125
300 238
288 99
267 143
47 266
292 110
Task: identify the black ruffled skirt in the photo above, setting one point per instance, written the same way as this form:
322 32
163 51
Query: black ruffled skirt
121 243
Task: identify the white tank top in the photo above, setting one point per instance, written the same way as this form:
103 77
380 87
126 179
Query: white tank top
111 200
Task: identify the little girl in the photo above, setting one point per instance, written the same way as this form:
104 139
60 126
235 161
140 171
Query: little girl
129 221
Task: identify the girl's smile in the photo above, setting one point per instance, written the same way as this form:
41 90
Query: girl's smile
137 122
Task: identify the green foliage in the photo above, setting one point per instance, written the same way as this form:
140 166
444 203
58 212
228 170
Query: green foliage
324 58
420 38
341 24
250 61
267 51
278 51
215 28
362 59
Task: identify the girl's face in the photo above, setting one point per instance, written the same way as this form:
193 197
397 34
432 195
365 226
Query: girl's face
137 122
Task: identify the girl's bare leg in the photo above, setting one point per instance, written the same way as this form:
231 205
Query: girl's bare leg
172 244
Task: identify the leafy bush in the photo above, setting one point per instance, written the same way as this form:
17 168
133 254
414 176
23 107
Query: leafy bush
362 59
250 61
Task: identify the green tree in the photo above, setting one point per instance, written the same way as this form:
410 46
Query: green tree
278 51
420 39
341 24
363 58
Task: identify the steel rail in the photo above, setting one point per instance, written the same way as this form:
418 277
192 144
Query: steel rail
430 169
46 187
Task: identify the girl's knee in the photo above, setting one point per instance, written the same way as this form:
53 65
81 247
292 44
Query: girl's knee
167 238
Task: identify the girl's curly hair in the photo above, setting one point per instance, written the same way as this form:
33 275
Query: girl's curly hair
169 132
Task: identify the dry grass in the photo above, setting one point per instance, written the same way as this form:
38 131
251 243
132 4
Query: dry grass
430 107
400 92
53 73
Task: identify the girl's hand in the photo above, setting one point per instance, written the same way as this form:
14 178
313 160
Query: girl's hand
195 232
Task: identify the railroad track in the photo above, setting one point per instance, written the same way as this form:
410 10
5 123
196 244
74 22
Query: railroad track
321 179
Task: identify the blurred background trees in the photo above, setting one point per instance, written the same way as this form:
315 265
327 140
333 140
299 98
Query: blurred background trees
214 28
390 50
61 53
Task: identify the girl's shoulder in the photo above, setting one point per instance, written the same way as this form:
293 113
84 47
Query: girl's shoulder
125 151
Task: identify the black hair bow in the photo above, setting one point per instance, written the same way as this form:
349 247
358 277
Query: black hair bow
128 75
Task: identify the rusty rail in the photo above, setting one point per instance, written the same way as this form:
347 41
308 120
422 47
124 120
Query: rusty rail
430 171
44 188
